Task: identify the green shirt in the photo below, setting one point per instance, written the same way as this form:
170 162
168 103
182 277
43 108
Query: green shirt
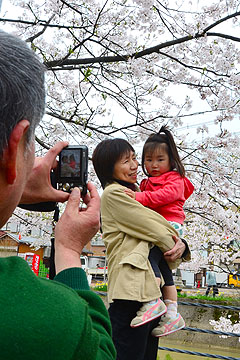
44 319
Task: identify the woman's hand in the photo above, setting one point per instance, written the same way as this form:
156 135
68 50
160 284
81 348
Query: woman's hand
177 251
130 193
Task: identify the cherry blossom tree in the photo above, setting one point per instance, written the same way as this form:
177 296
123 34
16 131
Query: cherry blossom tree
226 325
124 68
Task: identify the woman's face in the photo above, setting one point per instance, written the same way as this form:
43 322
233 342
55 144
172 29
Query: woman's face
126 168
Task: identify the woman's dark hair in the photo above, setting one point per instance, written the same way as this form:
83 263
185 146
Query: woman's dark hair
165 139
105 156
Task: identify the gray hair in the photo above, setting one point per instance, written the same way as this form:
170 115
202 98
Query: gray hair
22 90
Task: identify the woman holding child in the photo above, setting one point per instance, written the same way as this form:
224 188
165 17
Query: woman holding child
129 231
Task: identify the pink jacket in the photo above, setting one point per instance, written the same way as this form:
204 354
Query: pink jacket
166 194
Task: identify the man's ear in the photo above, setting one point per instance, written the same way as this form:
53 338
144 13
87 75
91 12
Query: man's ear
16 142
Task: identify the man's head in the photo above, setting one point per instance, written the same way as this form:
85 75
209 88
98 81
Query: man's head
22 91
22 103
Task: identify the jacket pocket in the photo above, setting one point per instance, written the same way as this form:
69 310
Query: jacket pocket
136 260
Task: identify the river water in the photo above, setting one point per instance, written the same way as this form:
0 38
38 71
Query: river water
203 349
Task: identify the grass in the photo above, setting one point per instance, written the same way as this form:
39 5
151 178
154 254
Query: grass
220 297
169 357
100 286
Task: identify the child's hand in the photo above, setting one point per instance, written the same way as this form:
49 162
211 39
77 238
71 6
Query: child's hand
130 193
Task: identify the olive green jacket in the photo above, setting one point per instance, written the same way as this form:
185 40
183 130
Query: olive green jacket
129 231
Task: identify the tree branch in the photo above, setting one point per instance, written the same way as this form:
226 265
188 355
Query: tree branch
42 23
140 54
225 36
32 38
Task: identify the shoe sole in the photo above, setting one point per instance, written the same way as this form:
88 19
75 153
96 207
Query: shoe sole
148 320
170 332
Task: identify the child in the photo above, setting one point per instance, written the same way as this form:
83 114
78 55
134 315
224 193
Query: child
165 191
72 162
66 170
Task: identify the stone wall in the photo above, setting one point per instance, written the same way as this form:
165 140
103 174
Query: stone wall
198 317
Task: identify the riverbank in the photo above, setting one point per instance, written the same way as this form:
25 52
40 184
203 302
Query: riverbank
198 317
215 350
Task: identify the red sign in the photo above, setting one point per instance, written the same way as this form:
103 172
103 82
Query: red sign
35 264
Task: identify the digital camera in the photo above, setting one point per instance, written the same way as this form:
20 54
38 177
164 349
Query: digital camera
72 168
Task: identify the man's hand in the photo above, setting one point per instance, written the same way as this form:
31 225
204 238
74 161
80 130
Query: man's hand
39 187
76 228
177 251
130 193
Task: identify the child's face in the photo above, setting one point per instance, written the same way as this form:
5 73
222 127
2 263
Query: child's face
157 163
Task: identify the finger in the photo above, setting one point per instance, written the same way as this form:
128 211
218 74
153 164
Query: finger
60 196
93 192
74 201
169 252
93 199
54 164
87 199
175 238
51 155
169 258
173 250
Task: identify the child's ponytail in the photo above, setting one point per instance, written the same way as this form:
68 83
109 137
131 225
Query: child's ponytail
173 152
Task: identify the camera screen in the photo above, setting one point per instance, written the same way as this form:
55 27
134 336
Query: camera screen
70 163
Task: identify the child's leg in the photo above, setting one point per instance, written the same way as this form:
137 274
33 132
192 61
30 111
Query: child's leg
169 290
170 299
172 320
155 308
